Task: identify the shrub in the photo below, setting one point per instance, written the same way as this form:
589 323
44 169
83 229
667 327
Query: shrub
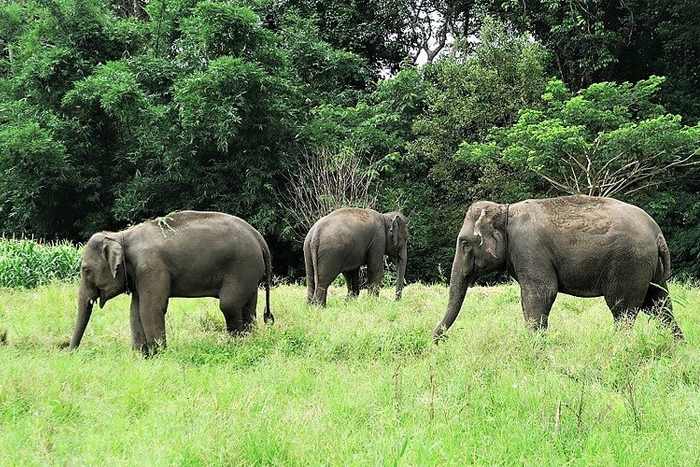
27 263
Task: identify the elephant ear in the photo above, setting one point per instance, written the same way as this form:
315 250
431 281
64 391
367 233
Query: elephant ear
397 226
113 253
488 235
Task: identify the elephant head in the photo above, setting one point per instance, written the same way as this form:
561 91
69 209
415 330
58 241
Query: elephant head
481 248
396 241
102 276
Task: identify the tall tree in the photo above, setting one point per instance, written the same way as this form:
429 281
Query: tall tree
616 40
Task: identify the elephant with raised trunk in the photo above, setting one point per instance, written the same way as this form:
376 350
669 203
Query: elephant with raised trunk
348 238
185 254
579 245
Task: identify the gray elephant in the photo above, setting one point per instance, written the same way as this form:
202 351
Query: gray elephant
578 245
185 254
348 238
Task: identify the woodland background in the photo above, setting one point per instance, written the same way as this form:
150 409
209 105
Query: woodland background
113 112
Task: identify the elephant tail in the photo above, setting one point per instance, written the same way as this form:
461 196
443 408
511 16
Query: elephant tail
664 258
267 257
314 260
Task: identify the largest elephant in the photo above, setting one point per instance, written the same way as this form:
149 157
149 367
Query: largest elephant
579 245
185 254
348 238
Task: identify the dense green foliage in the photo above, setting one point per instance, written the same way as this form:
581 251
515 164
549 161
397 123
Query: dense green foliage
605 40
113 112
355 384
26 263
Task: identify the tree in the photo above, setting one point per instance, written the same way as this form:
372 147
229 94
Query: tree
323 181
607 139
372 29
591 41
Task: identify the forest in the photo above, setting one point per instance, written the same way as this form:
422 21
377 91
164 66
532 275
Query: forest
113 112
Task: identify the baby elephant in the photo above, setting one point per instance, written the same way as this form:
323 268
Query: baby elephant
348 238
185 254
578 245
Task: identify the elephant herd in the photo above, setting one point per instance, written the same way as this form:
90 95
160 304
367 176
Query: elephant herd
578 245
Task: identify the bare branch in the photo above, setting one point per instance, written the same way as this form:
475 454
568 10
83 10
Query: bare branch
625 172
323 181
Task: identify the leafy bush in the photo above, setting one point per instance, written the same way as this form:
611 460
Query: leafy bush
607 139
26 263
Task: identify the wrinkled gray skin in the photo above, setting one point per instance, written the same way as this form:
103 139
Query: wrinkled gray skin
186 254
578 245
348 238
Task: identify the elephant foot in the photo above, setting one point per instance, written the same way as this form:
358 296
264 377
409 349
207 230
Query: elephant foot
245 330
149 352
677 333
153 349
318 303
240 333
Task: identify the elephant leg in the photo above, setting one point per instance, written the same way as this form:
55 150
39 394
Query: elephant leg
152 312
324 277
537 298
356 282
624 300
658 303
249 312
375 271
310 282
321 295
232 308
327 269
310 289
138 337
352 280
153 293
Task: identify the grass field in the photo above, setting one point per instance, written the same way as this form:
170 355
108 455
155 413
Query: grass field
358 383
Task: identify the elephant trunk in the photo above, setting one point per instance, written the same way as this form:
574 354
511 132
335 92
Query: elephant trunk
401 271
458 289
85 303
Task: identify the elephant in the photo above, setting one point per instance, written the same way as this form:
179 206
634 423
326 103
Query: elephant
348 238
578 245
184 254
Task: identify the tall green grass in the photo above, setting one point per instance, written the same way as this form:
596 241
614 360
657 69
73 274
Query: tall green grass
357 383
27 263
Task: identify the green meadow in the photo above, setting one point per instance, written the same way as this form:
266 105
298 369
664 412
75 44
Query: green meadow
357 383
